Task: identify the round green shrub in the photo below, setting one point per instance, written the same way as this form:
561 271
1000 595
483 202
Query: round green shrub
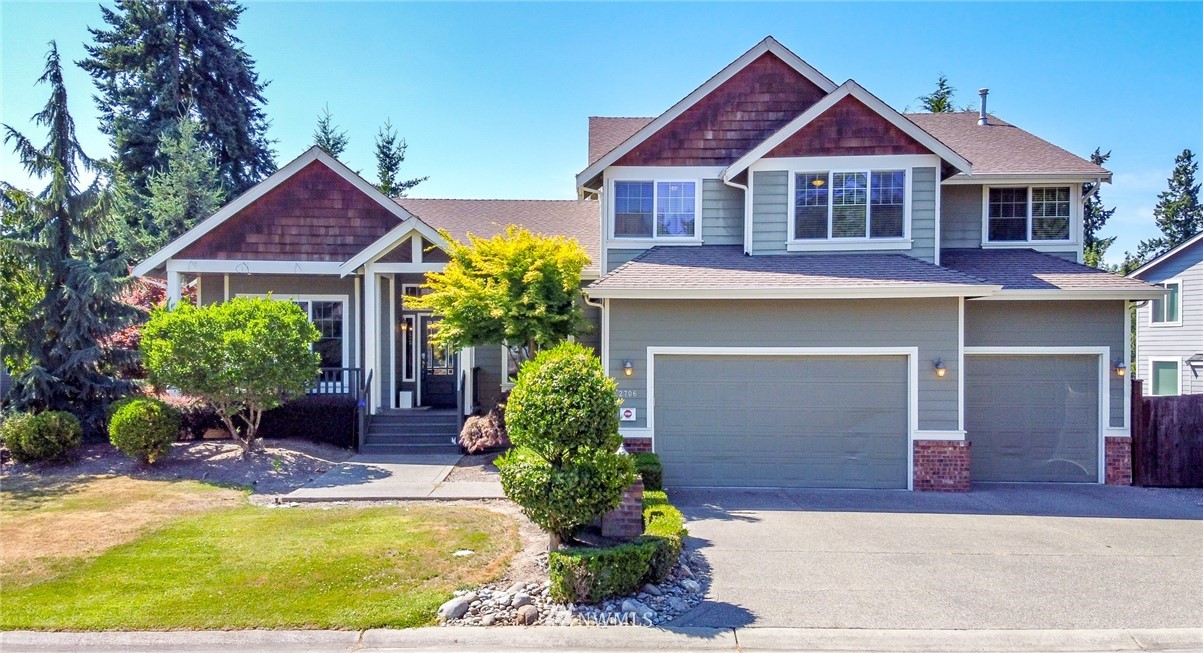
144 429
45 436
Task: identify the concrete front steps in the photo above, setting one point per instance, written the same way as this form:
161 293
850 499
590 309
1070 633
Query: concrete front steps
394 432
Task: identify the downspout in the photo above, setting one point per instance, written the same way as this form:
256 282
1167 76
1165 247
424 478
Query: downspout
747 216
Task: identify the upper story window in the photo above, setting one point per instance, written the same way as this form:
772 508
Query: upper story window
655 209
1168 311
1025 214
849 205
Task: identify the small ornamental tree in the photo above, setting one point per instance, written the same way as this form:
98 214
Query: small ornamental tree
244 356
562 417
517 289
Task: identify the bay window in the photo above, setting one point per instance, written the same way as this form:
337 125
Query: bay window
655 209
850 205
1028 213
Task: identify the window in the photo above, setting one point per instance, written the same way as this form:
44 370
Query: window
659 209
1167 311
1164 376
830 205
328 314
1024 214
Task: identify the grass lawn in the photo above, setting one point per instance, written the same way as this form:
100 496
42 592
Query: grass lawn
231 565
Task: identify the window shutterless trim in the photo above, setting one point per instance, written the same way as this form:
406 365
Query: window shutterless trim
612 211
1075 216
1153 378
1176 281
795 244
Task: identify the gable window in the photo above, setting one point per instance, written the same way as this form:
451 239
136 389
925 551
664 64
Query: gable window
1168 311
1164 377
1025 214
850 205
655 209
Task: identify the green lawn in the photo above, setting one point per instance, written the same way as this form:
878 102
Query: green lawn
252 567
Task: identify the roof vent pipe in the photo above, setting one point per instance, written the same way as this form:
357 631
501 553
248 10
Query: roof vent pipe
981 112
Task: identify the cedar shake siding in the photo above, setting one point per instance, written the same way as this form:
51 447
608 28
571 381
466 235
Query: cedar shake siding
315 215
848 129
735 117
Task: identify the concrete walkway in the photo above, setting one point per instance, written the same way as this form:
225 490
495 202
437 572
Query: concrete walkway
383 478
611 640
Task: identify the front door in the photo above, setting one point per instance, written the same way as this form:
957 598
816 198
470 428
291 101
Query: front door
438 369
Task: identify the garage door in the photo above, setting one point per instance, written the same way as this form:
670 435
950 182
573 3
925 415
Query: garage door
1033 418
782 421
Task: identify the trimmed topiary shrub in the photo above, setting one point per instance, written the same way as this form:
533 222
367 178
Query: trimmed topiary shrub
664 526
649 469
592 575
484 432
144 428
320 418
44 436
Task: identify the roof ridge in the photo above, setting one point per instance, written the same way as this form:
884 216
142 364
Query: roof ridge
482 199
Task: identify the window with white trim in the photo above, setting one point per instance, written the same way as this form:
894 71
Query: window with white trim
329 314
1164 377
849 205
655 209
1167 311
1028 213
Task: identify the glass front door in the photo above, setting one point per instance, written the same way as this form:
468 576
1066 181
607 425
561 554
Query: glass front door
437 369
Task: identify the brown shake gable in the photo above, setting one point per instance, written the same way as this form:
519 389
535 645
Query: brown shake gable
732 119
314 215
848 129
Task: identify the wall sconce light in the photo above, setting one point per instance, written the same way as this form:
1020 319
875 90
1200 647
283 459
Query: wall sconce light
628 368
1120 368
938 365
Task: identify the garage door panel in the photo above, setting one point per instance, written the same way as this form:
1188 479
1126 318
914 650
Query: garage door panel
785 421
1033 418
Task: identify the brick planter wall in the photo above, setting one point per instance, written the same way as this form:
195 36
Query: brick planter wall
637 445
941 466
1119 461
626 521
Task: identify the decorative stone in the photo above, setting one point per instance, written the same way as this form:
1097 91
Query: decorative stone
651 589
527 615
455 608
515 588
501 598
686 572
691 586
520 599
632 605
677 604
488 620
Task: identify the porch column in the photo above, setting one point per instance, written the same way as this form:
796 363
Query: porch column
371 333
175 284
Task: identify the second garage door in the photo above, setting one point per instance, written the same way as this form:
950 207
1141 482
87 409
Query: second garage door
782 421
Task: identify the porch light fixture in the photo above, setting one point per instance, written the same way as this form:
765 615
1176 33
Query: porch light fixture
1120 368
628 368
938 365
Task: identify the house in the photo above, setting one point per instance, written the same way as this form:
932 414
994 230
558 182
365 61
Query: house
793 283
1169 331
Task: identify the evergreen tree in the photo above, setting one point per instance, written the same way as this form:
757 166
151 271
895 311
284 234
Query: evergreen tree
1178 213
328 136
156 60
1095 217
390 154
20 288
939 100
81 274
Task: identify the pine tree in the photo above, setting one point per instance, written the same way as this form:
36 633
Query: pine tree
1178 213
939 100
390 154
81 273
1095 217
158 59
328 136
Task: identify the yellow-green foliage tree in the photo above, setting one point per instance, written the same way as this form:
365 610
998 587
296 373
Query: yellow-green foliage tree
517 289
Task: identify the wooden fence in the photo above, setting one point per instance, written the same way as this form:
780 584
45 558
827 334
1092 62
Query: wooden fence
1167 439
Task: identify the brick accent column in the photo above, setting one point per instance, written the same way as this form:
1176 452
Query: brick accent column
637 445
941 466
626 521
1118 459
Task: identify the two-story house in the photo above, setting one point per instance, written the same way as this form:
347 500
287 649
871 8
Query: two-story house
1169 331
793 283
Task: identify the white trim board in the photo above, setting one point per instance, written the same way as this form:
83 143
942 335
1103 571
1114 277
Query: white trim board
1135 274
1065 295
394 237
799 292
231 266
1177 361
259 190
911 354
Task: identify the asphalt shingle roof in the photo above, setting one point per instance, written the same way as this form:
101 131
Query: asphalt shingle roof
726 267
1026 269
1000 147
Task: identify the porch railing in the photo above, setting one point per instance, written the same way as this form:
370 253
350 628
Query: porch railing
363 409
337 381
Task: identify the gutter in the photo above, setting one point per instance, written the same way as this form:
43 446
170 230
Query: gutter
747 210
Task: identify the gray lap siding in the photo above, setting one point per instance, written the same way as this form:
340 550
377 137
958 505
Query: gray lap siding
931 325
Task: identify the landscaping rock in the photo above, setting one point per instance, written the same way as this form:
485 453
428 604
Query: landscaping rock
515 588
521 599
527 615
488 620
651 589
632 605
455 608
691 586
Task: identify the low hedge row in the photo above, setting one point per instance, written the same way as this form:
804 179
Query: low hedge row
321 418
591 575
648 466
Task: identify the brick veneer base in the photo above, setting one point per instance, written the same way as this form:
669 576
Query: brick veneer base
1119 461
637 445
626 521
941 466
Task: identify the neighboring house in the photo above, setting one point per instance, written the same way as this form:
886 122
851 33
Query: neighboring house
1169 332
795 285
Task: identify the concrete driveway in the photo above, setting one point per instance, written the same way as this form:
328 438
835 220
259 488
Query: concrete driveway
1000 557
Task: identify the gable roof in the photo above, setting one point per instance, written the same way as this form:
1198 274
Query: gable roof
234 207
848 89
607 133
1002 149
1029 271
725 271
1173 253
768 45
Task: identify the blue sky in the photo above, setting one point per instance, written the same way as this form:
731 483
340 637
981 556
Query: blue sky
494 98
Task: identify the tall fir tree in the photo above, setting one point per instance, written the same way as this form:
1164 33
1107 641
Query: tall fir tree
328 136
1178 213
390 154
20 287
1095 217
939 100
82 273
158 59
